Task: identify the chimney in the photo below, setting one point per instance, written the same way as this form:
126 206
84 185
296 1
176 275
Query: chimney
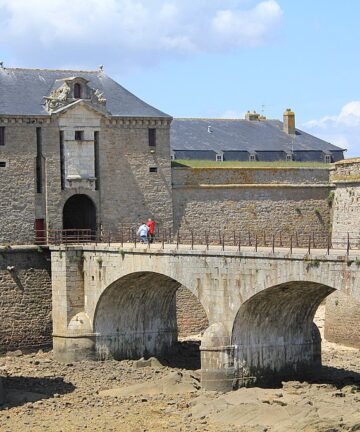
252 116
289 122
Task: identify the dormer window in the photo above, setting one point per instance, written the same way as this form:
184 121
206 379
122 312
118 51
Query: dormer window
219 157
252 157
327 158
289 157
77 91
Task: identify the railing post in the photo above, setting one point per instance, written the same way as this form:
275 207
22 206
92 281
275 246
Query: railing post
192 239
178 239
234 238
309 246
256 243
328 244
281 243
206 240
223 241
297 239
162 239
313 239
109 238
134 238
249 238
219 237
291 243
348 244
122 236
239 247
170 235
273 243
264 238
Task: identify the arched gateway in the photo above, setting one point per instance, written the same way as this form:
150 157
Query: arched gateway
120 303
79 213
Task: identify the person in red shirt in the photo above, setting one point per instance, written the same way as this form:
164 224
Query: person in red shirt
151 233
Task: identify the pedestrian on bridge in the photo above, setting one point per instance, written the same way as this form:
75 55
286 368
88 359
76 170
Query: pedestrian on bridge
143 232
151 234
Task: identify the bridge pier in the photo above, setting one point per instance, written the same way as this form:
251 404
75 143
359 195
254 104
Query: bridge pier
217 359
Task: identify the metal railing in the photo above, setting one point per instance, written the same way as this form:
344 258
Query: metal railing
223 238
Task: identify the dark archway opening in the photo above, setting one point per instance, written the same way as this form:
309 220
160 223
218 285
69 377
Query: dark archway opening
79 213
274 335
137 317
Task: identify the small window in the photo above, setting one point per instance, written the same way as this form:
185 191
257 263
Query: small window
219 158
2 164
2 135
77 91
172 157
152 137
327 158
252 157
79 135
153 169
289 157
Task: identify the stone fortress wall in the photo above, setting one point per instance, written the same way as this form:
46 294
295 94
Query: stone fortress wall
235 198
342 320
128 191
25 298
252 199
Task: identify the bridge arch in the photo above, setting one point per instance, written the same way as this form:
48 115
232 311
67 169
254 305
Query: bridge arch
274 336
136 315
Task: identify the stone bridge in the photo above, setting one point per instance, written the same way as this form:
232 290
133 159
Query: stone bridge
113 302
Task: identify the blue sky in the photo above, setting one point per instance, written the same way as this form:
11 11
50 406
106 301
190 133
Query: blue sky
206 58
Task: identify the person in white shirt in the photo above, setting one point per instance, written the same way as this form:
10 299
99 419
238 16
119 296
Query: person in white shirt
143 232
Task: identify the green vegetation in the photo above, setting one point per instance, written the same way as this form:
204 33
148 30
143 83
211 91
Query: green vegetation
357 262
330 198
237 164
311 263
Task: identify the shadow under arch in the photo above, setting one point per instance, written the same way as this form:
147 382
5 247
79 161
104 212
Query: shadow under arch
274 336
136 317
79 212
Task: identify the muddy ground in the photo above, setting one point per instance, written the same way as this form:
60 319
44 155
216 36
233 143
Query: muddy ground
43 395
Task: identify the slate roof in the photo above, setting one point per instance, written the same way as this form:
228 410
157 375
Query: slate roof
22 92
238 135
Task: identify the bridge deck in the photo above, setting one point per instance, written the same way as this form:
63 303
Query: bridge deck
261 251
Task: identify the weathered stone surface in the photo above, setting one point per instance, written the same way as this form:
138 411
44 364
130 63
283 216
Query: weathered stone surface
342 320
25 292
258 200
264 302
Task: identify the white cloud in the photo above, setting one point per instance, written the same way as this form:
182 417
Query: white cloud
132 31
342 129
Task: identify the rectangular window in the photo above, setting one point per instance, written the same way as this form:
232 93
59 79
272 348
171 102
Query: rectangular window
289 157
152 137
2 135
39 161
96 161
2 164
327 158
79 135
62 160
219 158
252 157
153 169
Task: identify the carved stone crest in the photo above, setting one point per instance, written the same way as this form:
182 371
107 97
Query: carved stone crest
63 96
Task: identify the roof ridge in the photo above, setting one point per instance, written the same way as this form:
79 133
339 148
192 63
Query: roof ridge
223 119
52 70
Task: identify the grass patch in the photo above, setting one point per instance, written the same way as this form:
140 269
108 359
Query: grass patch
237 164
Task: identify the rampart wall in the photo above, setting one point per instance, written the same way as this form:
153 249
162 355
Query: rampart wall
25 298
252 199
